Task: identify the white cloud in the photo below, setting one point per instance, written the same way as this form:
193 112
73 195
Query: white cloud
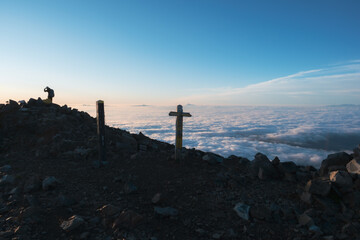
320 86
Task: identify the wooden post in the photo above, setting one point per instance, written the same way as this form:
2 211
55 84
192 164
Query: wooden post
100 116
179 130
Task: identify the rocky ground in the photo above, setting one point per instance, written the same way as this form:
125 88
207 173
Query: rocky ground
52 188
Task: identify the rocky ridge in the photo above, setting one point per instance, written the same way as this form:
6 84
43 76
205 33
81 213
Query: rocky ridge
50 187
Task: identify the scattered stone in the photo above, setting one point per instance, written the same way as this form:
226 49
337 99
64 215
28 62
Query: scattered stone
5 169
7 179
260 212
305 220
34 214
263 168
200 231
306 197
84 235
6 234
32 184
109 210
217 235
212 158
128 219
49 183
316 230
4 209
72 223
166 211
318 186
244 162
156 199
129 188
351 229
242 210
353 166
336 159
276 161
32 200
65 201
341 179
288 167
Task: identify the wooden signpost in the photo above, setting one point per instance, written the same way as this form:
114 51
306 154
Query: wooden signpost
100 117
179 130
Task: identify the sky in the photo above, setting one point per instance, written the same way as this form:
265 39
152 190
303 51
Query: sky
179 52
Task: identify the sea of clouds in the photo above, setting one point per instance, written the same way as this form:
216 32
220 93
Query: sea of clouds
305 135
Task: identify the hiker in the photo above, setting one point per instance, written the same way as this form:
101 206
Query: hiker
51 94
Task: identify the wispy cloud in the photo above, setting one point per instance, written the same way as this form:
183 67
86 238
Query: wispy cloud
318 86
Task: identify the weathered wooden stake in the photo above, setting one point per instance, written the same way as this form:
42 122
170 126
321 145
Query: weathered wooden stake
179 130
100 116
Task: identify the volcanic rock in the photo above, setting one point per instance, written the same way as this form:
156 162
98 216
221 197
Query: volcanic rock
353 166
156 198
108 210
242 210
72 223
128 219
263 168
336 159
32 184
305 220
341 179
212 158
318 186
7 179
41 140
166 211
5 169
49 183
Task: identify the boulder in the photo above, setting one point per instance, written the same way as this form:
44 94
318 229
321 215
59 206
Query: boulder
306 197
166 211
352 229
260 212
305 220
72 223
65 201
128 219
10 107
276 161
109 210
212 158
32 214
353 166
263 168
318 186
7 179
342 179
5 169
287 167
336 159
49 183
156 198
32 184
242 210
129 188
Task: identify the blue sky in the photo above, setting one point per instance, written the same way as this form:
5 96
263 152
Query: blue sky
170 52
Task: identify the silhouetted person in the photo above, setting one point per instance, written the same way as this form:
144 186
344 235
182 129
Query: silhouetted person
51 94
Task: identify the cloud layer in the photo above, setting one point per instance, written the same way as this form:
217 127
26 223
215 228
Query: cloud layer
305 135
